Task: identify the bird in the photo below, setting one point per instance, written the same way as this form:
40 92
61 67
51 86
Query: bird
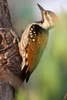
33 42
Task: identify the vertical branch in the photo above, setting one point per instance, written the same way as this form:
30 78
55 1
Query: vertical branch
6 92
6 9
65 97
5 19
12 66
7 13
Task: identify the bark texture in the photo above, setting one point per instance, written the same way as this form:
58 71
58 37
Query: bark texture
10 59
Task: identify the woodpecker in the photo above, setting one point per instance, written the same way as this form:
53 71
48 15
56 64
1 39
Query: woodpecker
33 42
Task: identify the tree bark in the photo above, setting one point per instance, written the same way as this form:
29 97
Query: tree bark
6 92
8 73
5 19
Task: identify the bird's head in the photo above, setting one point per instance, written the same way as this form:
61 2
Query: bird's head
49 18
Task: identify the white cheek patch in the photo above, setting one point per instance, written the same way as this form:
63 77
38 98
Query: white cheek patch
47 23
50 20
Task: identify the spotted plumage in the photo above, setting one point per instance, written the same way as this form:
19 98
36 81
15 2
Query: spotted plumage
33 42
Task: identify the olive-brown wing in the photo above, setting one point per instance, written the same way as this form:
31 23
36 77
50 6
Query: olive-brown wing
35 50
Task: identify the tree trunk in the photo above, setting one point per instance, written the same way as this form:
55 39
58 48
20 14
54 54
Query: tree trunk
6 92
5 19
9 69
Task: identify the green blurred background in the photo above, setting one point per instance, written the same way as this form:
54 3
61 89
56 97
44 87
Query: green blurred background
49 80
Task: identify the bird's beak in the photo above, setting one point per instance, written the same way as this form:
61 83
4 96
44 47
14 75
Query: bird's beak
41 8
43 11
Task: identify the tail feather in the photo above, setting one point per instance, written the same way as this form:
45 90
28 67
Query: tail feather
25 74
